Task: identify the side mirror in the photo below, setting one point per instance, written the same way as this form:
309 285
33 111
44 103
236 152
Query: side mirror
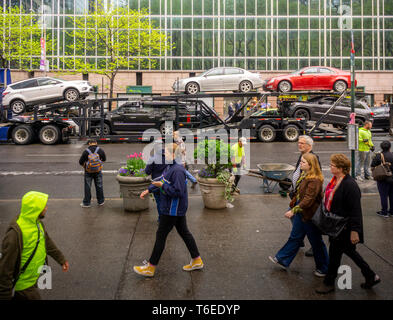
301 73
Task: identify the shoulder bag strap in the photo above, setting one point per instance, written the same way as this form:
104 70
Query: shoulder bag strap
382 159
30 258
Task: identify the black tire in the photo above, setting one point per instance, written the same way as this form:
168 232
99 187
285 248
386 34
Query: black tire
302 113
97 130
291 133
164 129
71 94
192 88
49 134
245 86
266 133
18 107
340 86
284 86
22 135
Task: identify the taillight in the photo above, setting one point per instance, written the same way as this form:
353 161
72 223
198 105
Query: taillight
372 113
5 93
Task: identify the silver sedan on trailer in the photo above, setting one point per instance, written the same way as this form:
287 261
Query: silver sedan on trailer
220 79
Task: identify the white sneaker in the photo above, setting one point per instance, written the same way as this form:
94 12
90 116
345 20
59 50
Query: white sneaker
85 206
101 204
360 179
319 274
275 261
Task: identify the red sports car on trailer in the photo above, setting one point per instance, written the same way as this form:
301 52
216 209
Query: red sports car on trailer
311 78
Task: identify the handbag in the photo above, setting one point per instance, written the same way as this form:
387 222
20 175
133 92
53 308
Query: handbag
381 171
327 222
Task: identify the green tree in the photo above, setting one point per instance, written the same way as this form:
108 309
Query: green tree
126 38
19 38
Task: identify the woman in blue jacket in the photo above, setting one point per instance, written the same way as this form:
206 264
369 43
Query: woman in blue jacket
173 208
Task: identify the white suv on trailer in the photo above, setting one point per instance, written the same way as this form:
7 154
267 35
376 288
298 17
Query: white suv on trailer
27 93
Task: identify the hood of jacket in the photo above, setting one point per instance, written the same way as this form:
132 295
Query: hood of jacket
33 203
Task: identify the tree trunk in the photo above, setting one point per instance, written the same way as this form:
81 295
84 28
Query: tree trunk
111 84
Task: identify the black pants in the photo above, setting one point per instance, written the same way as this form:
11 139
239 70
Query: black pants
342 245
386 193
165 226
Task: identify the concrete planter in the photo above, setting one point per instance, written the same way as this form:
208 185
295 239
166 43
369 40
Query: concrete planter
212 193
130 190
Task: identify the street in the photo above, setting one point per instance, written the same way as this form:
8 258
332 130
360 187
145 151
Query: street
103 243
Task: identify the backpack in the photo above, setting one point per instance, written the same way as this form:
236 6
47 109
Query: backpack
93 164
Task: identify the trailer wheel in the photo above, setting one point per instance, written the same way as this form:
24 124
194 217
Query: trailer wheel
97 130
22 135
49 134
266 133
291 133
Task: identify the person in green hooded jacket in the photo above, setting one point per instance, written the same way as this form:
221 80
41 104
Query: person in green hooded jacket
26 245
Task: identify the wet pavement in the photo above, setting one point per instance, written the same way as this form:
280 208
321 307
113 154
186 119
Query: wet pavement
103 243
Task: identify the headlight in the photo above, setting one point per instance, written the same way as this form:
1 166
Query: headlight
271 81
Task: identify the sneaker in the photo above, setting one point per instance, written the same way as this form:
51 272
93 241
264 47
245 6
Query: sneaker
275 261
324 288
369 284
147 270
85 205
195 264
101 204
309 253
381 214
360 179
319 274
367 178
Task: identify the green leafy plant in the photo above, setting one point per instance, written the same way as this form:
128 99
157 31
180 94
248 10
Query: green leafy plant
225 178
216 155
135 166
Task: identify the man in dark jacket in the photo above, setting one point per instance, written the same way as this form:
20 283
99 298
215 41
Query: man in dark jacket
91 175
174 204
155 167
305 144
25 248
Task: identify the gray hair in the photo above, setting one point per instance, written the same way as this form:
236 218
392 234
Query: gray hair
308 139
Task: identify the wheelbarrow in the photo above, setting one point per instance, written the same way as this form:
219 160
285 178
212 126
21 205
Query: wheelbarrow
274 175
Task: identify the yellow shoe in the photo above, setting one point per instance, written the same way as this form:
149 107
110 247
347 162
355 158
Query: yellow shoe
195 264
146 270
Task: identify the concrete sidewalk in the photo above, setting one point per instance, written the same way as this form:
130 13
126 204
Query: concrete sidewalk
102 244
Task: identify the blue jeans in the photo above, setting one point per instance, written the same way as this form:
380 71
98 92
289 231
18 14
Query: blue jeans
190 177
97 177
299 230
363 161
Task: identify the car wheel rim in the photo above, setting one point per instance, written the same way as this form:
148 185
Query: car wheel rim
17 107
340 86
245 87
167 130
192 88
267 134
48 135
284 87
291 134
302 114
71 95
21 135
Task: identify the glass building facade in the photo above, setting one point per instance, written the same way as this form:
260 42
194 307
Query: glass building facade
259 35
